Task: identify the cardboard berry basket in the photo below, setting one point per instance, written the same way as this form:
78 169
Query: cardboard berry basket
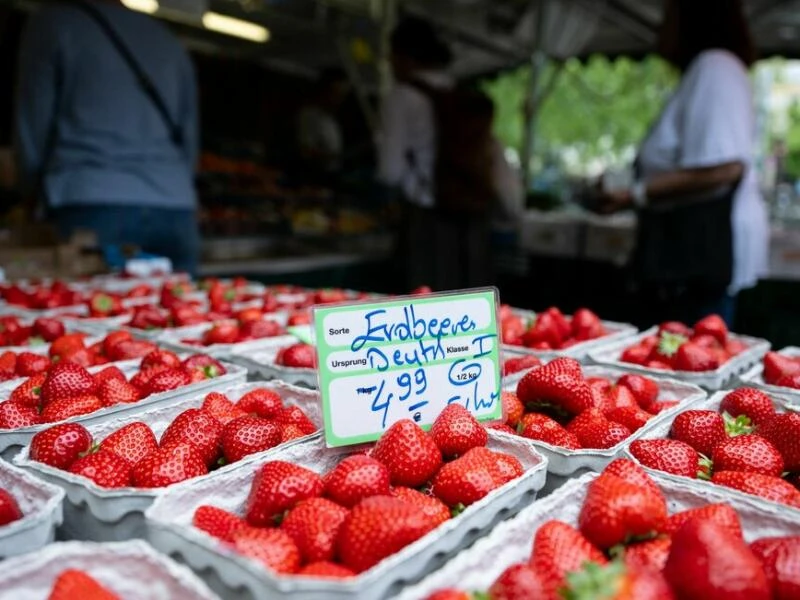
261 365
41 506
755 378
564 464
132 570
511 542
170 530
710 380
106 515
713 403
174 339
13 440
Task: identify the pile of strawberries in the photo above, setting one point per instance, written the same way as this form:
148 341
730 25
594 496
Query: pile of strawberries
41 297
14 331
248 325
677 347
368 506
747 445
626 546
68 390
74 583
550 330
198 441
556 404
297 356
782 370
9 509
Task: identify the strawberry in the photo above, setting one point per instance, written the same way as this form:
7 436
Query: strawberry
48 329
779 559
777 366
71 406
29 364
130 349
271 548
619 396
221 408
378 527
518 364
666 350
536 426
226 332
277 487
326 570
695 358
676 328
543 330
262 328
501 427
701 429
65 344
586 325
113 339
132 442
790 381
456 431
559 549
517 582
104 305
160 358
722 514
594 430
558 384
650 554
198 428
169 465
468 479
632 473
617 582
72 584
201 367
167 380
294 415
61 445
248 435
409 453
217 523
765 486
108 373
261 402
644 389
29 392
636 355
8 366
714 326
298 356
15 415
114 391
79 356
615 511
708 561
748 453
65 380
355 478
508 466
430 505
513 409
291 432
314 525
670 456
784 432
752 403
9 509
631 417
105 469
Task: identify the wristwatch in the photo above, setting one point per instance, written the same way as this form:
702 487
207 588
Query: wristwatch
639 194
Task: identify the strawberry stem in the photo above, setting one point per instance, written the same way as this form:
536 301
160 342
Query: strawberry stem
741 425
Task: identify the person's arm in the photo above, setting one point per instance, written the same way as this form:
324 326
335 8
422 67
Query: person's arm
393 140
190 115
507 183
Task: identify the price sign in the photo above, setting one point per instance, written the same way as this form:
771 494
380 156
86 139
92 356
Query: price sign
406 358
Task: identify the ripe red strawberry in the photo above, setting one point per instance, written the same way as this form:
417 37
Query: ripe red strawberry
779 559
261 402
714 326
221 408
48 329
517 582
29 392
513 409
217 522
113 391
8 365
113 339
201 367
636 355
61 445
617 581
326 570
586 325
559 549
71 406
271 548
784 432
722 514
15 415
160 358
764 486
29 364
377 528
290 432
632 473
701 429
108 373
670 456
518 364
644 389
198 428
543 331
9 509
594 430
105 469
65 380
314 525
558 384
298 356
132 442
651 554
248 435
263 328
166 380
707 561
355 478
749 453
695 358
294 415
169 465
752 403
777 366
467 479
536 426
632 417
790 381
72 584
619 397
130 349
277 487
615 510
225 332
456 431
666 349
142 379
501 427
66 344
430 505
409 453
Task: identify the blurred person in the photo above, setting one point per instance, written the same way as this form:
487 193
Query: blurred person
704 231
107 127
319 134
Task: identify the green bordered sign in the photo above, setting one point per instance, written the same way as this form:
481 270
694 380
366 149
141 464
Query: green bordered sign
406 358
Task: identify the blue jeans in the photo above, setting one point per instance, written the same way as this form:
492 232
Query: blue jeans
163 232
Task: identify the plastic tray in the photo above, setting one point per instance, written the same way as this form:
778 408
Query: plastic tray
712 403
98 514
12 440
711 380
173 338
132 570
755 378
41 505
511 542
261 365
170 530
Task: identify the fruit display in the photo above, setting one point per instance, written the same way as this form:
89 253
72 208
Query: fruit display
17 331
778 370
249 325
743 440
625 535
41 297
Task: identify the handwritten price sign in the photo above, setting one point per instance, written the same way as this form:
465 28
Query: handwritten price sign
406 358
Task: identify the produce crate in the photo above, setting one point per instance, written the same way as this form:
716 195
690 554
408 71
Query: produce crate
170 530
173 338
103 515
261 365
710 380
551 233
132 570
41 506
755 378
511 542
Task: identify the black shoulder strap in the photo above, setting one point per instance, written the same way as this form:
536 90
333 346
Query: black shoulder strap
149 88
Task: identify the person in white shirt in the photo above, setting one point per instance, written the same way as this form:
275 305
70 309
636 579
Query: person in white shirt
704 139
319 135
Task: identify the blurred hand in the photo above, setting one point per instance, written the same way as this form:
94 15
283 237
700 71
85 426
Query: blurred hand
612 202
